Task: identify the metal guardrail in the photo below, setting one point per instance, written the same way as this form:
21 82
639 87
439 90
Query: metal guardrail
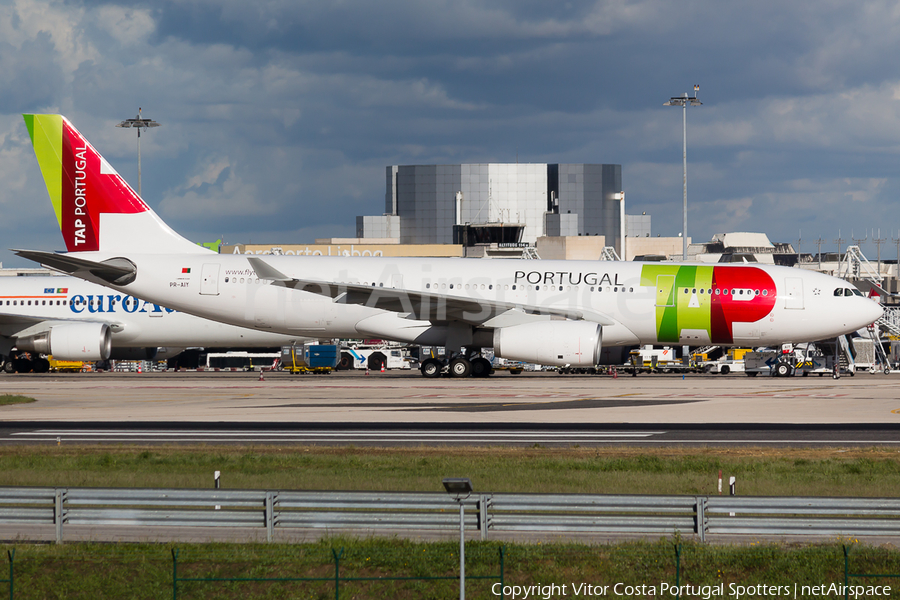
487 513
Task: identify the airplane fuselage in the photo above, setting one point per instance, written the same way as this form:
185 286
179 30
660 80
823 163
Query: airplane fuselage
133 322
650 303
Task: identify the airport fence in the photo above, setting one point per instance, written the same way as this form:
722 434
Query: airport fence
487 515
339 578
11 580
398 569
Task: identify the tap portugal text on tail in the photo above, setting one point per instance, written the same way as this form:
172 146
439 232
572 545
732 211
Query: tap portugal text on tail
548 312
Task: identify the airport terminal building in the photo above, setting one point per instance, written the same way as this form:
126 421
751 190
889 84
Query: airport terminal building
500 203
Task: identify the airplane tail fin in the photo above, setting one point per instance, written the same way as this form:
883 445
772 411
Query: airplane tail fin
96 209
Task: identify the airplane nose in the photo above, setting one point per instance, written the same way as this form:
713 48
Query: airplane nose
872 311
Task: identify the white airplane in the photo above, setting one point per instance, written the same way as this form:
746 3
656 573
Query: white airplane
76 320
547 312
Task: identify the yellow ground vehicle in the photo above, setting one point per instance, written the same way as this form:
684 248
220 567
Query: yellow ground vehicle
65 366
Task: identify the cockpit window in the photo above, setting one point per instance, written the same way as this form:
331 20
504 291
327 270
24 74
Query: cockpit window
847 292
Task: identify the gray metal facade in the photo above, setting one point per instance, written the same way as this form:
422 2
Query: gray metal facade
425 198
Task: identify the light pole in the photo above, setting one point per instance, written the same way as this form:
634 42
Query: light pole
620 196
139 124
684 102
460 488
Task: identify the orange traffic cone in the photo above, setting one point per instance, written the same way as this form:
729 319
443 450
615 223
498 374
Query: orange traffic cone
261 378
382 367
615 373
367 370
140 370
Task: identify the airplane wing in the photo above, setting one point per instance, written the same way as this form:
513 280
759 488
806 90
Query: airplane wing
421 305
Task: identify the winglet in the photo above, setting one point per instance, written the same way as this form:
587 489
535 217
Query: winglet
266 271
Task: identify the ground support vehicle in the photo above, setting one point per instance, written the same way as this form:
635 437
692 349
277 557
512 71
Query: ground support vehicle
373 357
724 366
65 366
648 359
241 361
731 362
515 367
780 364
319 359
25 362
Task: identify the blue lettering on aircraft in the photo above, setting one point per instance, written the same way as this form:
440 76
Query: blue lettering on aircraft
112 303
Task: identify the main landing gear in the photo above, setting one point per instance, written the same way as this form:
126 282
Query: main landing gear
460 366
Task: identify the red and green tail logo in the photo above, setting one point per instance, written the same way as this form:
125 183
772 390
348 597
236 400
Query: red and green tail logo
82 185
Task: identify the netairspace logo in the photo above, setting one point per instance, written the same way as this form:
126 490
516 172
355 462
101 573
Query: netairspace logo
731 591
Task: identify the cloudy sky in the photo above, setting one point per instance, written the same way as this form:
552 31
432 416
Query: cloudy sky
279 116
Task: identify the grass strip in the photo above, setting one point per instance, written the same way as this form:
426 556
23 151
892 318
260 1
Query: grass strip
6 399
90 571
872 472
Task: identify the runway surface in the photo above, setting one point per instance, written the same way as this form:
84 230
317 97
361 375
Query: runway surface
448 434
402 408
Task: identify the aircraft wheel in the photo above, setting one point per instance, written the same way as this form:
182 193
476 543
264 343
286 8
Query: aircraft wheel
431 367
481 367
376 361
22 365
782 370
460 367
8 366
40 365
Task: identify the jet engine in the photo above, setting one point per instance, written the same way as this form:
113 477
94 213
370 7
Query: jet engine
72 341
575 343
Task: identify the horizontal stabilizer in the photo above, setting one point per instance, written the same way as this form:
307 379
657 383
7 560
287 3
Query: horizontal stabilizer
117 271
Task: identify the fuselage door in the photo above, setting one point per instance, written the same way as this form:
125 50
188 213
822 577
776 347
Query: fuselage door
209 280
665 290
793 292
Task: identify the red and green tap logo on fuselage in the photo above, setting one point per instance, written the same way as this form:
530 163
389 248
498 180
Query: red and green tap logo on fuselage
709 298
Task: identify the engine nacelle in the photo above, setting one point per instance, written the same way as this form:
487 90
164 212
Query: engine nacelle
72 341
575 343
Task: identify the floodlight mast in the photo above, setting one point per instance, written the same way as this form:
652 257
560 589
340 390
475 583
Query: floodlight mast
684 102
138 123
460 488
